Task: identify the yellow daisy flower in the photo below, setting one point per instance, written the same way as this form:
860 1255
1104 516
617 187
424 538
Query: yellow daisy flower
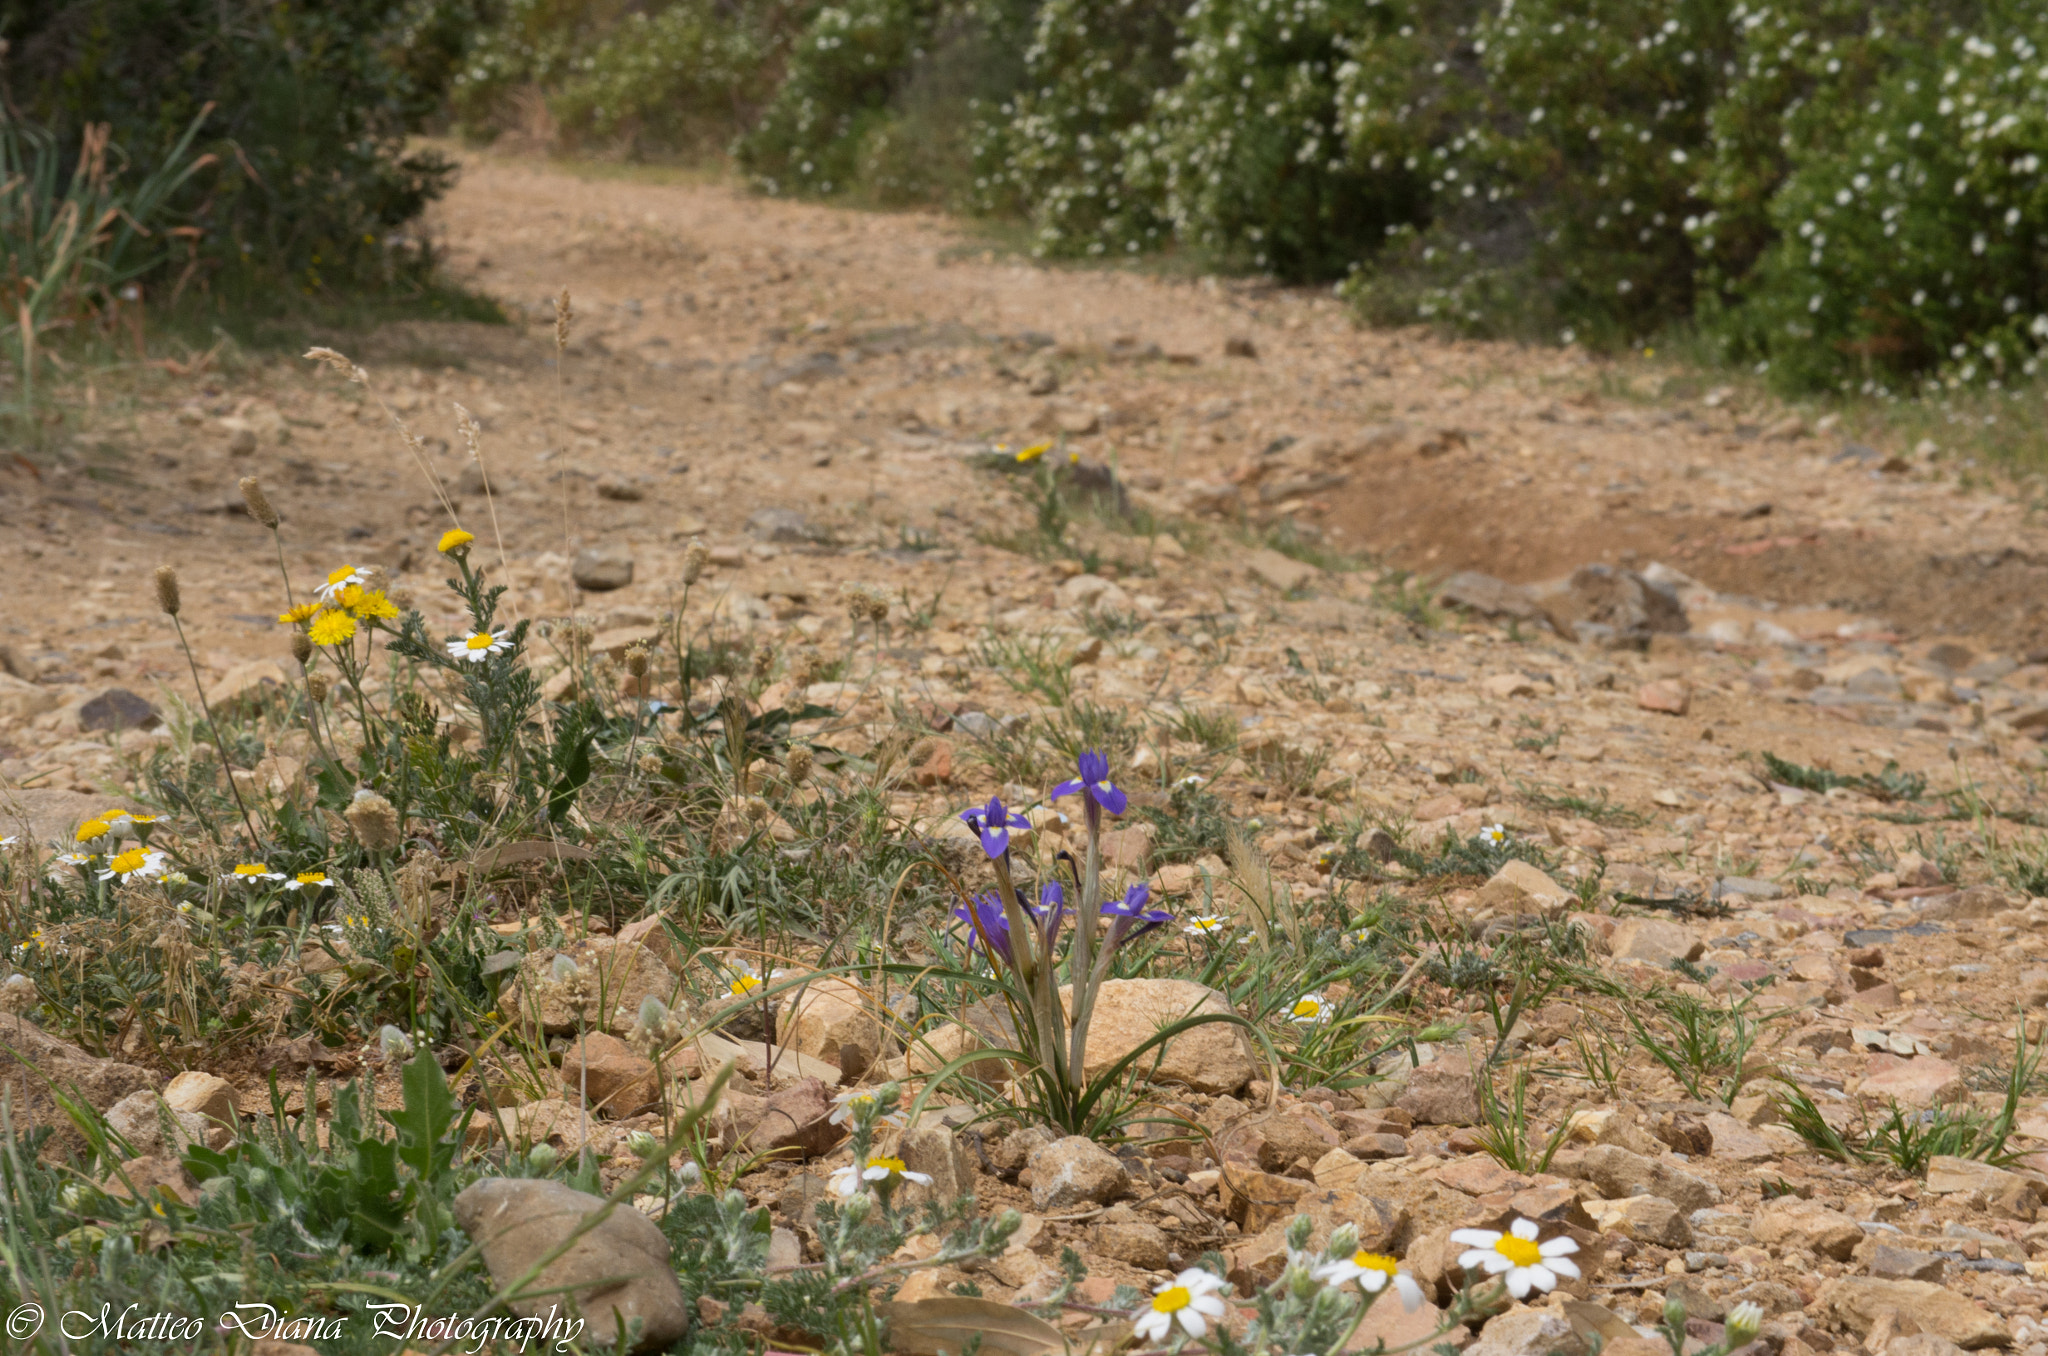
307 880
91 829
339 580
301 614
1034 452
363 604
333 628
453 540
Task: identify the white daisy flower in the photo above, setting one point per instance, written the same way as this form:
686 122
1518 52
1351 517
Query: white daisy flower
10 840
1372 1272
307 880
849 1103
1516 1256
479 647
1309 1010
249 873
1190 1299
1496 834
134 863
1206 925
1192 779
746 980
879 1168
339 580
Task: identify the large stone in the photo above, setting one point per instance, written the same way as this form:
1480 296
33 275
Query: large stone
1253 1200
793 1122
937 1152
1283 1141
21 700
1215 1057
832 1019
1619 1174
1922 1082
1074 1173
1655 941
1599 602
45 817
1442 1093
1646 1219
207 1096
117 709
1532 883
1488 596
1789 1222
619 1269
1277 571
152 1176
1132 1242
33 1062
1735 1141
615 1079
1261 1256
1857 1301
1984 1187
138 1118
1905 1264
616 977
243 689
600 569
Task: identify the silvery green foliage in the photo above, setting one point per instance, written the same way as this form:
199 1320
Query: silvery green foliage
1054 151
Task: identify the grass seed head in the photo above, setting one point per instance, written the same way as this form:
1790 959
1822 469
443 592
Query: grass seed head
257 502
636 660
695 557
798 765
302 647
316 687
565 316
167 589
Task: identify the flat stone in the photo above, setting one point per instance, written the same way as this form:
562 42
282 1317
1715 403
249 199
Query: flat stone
599 569
1747 887
1284 573
1922 1082
1074 1173
617 1271
1905 1264
781 525
1856 1302
1736 1141
1655 941
117 709
1646 1219
1667 696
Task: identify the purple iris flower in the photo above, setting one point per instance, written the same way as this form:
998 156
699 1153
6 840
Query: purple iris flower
1128 917
987 922
994 822
1094 784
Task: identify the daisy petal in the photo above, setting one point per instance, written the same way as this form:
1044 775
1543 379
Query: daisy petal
1558 1247
1525 1229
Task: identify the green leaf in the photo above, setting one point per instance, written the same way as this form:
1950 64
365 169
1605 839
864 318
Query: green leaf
423 1122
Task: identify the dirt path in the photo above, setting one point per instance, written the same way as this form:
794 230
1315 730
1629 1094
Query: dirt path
731 354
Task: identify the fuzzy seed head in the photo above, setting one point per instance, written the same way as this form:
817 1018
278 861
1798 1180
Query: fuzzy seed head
471 432
695 557
764 659
316 687
798 765
374 821
636 660
257 502
340 363
167 589
302 647
565 316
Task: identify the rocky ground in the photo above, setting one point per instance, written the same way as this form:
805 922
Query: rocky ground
1599 593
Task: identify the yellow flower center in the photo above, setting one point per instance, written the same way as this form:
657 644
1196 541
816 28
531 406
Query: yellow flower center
1172 1299
312 878
454 537
893 1165
1520 1251
251 869
344 572
1307 1007
1372 1261
131 860
480 641
746 984
91 829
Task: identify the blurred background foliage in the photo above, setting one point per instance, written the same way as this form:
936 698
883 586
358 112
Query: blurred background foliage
1839 195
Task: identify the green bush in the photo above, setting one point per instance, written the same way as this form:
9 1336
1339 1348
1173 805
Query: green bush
311 107
1246 153
675 80
1054 152
1903 212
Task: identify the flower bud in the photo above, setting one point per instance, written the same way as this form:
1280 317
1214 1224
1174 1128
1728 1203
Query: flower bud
1674 1312
75 1196
855 1208
695 557
1003 1225
374 820
1343 1240
540 1159
636 660
1298 1232
395 1043
316 687
653 1012
690 1174
167 589
643 1145
302 647
563 969
257 502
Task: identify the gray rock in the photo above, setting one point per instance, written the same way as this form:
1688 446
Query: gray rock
1487 596
600 569
618 1270
1747 887
1075 1172
1603 605
117 709
937 1152
1906 1264
780 525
